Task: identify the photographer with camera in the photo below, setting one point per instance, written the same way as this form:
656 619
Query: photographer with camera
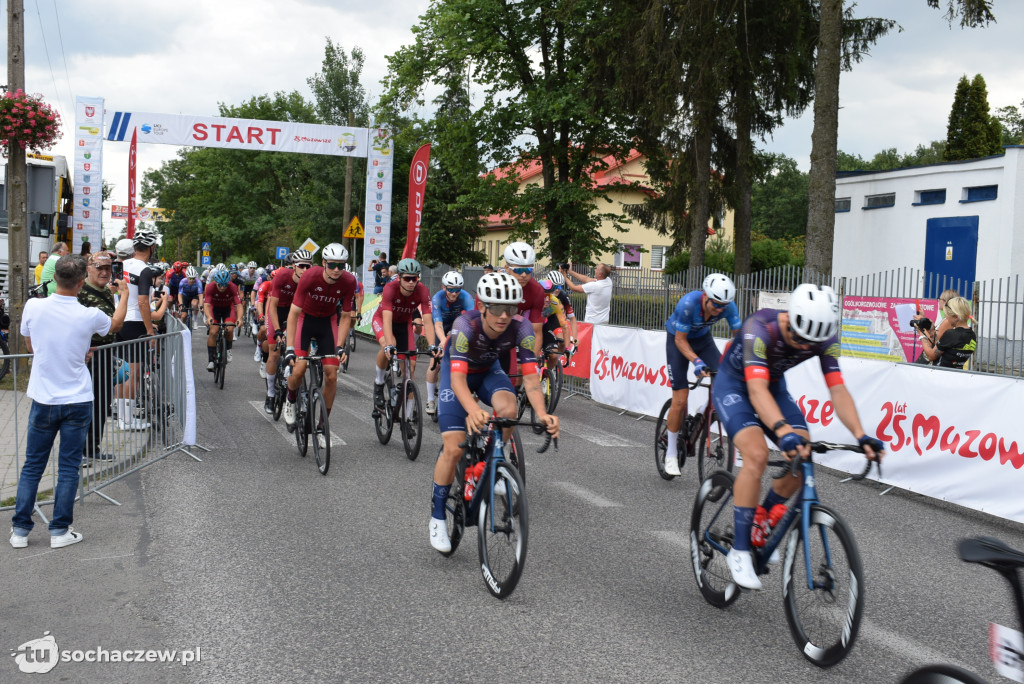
953 342
598 290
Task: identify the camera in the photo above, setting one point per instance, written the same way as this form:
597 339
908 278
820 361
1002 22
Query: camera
564 266
922 324
117 270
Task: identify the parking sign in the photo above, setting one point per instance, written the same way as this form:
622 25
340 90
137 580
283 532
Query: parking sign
206 261
282 253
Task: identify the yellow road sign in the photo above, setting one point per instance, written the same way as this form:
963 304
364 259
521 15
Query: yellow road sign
309 246
355 229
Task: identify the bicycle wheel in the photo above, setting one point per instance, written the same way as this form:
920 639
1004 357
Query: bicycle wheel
352 338
348 355
382 421
546 386
5 364
455 507
521 402
503 533
280 389
411 421
661 442
557 378
222 362
711 537
715 450
318 421
515 454
302 419
942 674
824 620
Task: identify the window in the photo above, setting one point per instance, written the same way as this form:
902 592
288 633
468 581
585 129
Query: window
980 193
930 197
880 201
628 256
658 257
842 204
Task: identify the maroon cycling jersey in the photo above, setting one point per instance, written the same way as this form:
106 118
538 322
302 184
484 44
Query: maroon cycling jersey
534 301
316 297
403 309
221 299
283 287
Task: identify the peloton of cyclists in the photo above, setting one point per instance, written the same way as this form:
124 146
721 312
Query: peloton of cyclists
471 364
689 340
751 397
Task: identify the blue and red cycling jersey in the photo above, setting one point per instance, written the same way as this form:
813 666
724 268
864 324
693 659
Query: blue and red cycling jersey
447 311
689 319
470 350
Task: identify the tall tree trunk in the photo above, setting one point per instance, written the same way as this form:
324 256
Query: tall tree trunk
700 187
821 212
741 218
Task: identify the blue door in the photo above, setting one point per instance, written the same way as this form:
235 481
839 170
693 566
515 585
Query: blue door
950 255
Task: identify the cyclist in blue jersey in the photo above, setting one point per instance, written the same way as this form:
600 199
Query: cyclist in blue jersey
750 395
471 364
689 341
189 290
448 304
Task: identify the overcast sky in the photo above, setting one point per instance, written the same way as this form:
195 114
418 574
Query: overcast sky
187 56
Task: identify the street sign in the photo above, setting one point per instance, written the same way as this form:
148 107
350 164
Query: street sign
206 246
355 229
310 246
206 261
282 253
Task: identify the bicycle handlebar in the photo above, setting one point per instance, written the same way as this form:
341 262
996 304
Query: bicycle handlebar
821 447
699 381
416 352
512 422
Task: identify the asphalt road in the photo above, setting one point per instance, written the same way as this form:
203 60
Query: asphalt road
280 574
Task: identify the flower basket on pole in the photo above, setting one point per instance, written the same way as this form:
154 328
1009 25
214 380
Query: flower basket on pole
28 122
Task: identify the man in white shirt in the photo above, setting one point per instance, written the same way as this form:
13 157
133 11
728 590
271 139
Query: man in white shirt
58 330
598 290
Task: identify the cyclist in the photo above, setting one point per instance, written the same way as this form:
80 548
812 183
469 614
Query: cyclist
556 277
188 293
279 303
314 316
448 303
174 279
262 292
138 320
750 395
519 261
471 364
556 324
221 303
689 340
249 282
402 301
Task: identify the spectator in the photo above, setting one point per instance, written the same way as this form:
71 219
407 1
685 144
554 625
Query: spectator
380 273
86 249
43 256
98 292
392 272
598 290
952 348
58 331
59 250
488 269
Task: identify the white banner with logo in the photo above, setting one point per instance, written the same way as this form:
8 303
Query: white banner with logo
380 163
238 134
88 172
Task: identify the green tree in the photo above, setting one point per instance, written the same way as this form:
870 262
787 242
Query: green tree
972 131
1011 121
779 198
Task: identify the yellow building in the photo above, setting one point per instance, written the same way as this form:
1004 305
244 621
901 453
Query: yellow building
640 247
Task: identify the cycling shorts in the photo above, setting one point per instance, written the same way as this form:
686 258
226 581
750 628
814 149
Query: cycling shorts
404 337
282 318
451 416
552 332
732 402
187 299
322 329
678 365
225 313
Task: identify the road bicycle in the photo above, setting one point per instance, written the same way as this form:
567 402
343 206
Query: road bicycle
702 436
823 595
350 347
311 419
252 324
1006 646
547 388
495 502
220 358
280 381
407 413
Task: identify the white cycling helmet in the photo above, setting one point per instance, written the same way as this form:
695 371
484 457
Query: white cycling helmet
221 267
720 288
190 272
251 264
206 273
814 312
124 249
261 271
335 252
452 279
300 255
520 254
499 288
145 237
556 278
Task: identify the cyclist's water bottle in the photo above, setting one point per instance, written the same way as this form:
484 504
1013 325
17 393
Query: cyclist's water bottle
394 396
473 474
764 521
312 347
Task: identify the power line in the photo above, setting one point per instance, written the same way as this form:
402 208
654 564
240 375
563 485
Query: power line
60 36
46 49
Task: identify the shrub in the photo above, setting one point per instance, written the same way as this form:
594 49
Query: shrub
765 254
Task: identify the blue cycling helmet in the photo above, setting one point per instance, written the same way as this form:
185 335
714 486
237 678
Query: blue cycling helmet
222 278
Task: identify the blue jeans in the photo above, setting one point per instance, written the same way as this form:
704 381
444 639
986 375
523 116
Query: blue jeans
378 289
44 422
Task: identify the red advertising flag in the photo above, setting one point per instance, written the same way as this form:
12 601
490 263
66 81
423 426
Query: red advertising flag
131 185
417 191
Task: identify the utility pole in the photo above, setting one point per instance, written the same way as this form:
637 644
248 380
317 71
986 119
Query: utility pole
348 202
17 194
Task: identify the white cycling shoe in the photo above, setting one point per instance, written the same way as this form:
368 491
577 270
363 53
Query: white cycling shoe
741 565
672 464
439 536
289 412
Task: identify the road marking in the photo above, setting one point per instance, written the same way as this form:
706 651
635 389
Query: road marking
587 495
283 430
907 648
356 381
126 555
602 438
361 416
35 555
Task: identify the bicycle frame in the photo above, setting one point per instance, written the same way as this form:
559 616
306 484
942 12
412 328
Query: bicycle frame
494 456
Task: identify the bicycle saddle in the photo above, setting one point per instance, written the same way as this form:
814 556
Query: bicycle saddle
990 551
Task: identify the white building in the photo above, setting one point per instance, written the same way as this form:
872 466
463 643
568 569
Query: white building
959 219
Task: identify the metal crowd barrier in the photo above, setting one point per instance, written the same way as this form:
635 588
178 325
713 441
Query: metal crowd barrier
143 393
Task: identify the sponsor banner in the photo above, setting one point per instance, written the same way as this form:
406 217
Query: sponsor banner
370 304
417 193
88 140
773 300
239 134
878 327
120 211
377 223
1005 646
579 366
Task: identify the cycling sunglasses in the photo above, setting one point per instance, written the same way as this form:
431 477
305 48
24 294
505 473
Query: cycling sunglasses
797 338
503 309
522 270
301 266
454 290
717 305
410 278
334 265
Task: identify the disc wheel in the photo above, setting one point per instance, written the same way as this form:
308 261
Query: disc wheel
318 421
382 421
824 621
503 533
661 442
711 537
412 421
715 450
